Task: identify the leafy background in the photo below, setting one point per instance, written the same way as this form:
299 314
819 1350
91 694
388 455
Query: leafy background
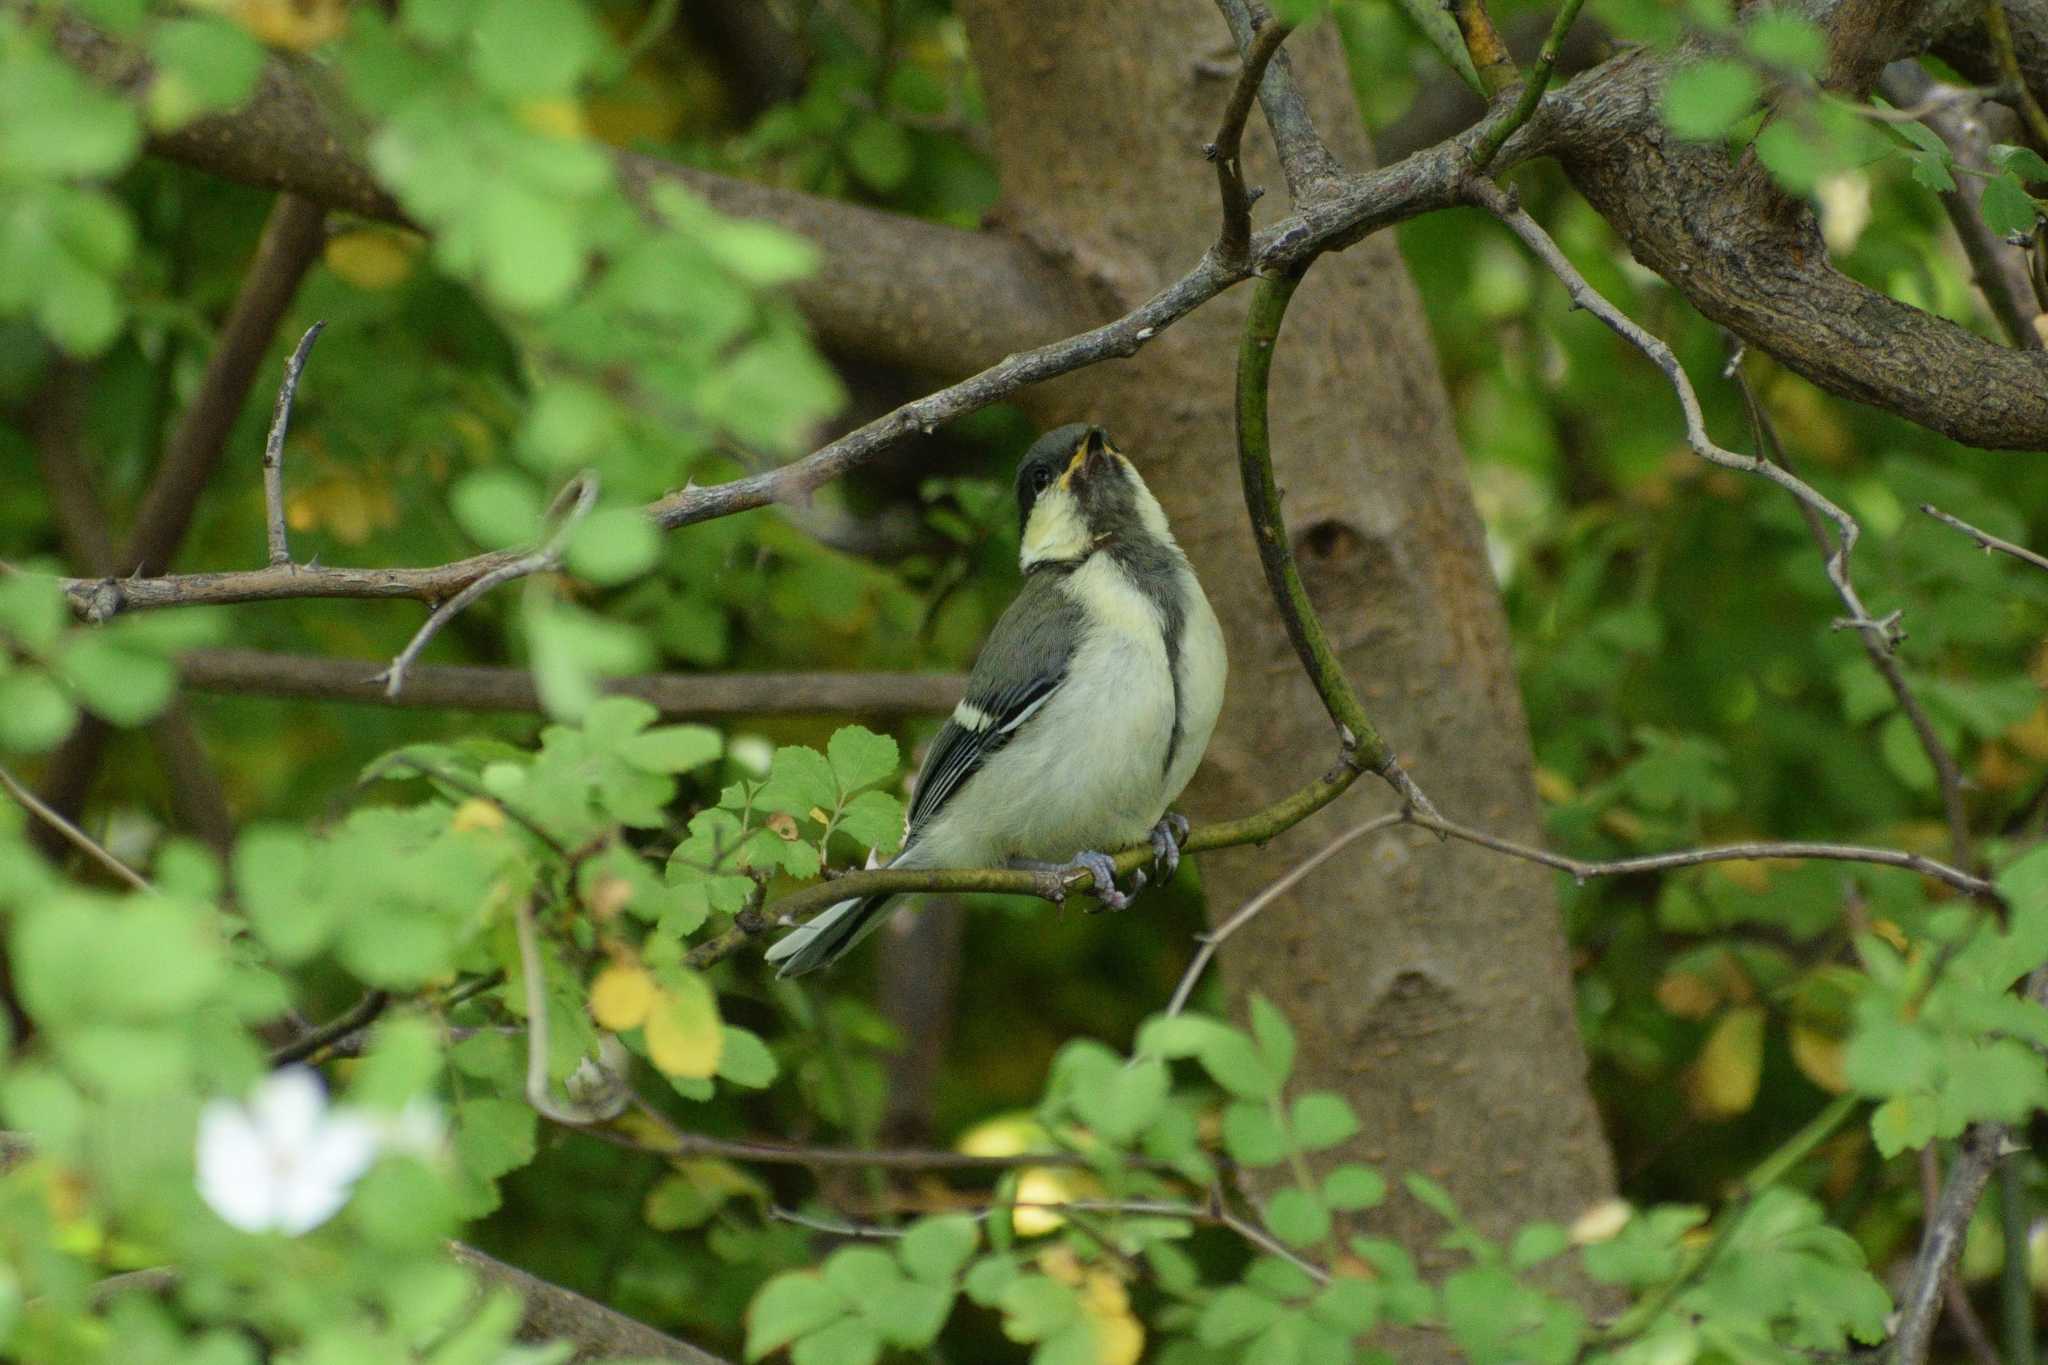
1670 625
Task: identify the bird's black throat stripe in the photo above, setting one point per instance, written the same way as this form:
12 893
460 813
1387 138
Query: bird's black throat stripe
1154 570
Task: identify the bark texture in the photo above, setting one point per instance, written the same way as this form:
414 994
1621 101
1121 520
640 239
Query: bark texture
1427 982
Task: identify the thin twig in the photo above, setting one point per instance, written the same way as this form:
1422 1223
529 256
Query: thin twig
56 820
539 1093
1503 206
358 1016
1794 850
1982 1147
1998 32
486 687
434 772
1311 169
1986 539
1233 245
582 493
1948 773
1280 886
678 1142
1498 133
1955 1296
273 445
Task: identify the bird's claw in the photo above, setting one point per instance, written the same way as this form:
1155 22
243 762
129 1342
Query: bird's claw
1102 868
1166 838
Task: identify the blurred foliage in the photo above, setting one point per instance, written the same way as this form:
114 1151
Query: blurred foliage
1671 623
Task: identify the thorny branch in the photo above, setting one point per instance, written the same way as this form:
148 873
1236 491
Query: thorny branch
273 446
1986 539
1503 206
1234 243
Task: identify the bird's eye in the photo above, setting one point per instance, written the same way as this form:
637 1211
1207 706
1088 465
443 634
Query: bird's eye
1041 479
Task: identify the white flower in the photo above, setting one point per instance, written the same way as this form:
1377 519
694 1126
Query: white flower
283 1162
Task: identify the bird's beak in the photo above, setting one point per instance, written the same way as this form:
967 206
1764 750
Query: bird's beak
1092 456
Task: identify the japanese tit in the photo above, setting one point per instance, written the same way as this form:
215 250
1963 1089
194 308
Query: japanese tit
1088 709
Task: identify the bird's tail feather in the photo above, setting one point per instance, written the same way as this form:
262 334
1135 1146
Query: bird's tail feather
829 937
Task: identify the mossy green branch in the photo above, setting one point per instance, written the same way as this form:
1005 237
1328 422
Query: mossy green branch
1497 135
1276 553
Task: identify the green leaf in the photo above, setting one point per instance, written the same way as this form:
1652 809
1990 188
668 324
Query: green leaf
1348 1303
1354 1187
566 426
791 1305
934 1249
800 781
860 758
1252 1135
759 253
1036 1306
1704 100
497 507
2023 162
1275 1037
860 1272
1904 1123
2008 209
1441 30
613 545
494 1136
534 49
1794 157
1236 1065
1298 1217
1536 1243
875 820
35 715
531 253
1784 39
54 124
1323 1119
202 65
118 683
1119 1101
1234 1314
746 1061
673 748
909 1313
278 889
879 153
1904 754
1931 171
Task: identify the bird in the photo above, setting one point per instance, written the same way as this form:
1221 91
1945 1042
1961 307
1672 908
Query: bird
1088 709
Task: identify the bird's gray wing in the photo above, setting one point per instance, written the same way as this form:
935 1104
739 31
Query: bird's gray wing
1016 674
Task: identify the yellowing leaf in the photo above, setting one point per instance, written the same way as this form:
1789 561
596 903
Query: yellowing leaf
369 258
300 25
1749 874
477 813
1040 1185
1818 1055
1553 788
1687 995
561 118
683 1033
1119 1340
622 997
1004 1135
1723 1080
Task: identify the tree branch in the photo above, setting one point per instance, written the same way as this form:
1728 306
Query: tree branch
273 446
1986 539
889 289
1983 1146
1234 242
1305 159
553 1313
483 688
1503 206
1361 740
1999 267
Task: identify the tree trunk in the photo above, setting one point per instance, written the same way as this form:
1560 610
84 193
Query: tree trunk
1427 981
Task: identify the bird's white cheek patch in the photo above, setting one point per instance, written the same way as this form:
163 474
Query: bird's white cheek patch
1055 529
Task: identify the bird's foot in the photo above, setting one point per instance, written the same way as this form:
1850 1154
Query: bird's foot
1101 867
1166 838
